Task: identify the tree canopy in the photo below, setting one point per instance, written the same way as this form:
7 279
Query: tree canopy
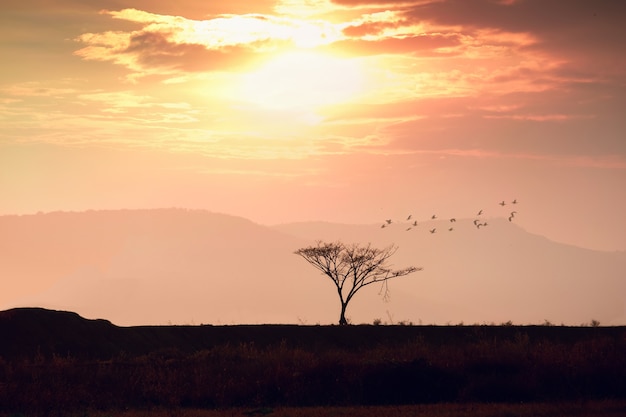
352 267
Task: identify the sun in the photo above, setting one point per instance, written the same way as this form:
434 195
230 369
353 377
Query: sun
303 80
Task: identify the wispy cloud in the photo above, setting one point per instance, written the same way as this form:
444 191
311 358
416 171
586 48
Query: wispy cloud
36 89
173 44
611 162
533 117
122 101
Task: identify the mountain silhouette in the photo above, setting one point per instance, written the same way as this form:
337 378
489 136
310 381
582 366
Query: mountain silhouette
178 266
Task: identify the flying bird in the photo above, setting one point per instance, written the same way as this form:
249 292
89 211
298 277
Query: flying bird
388 221
450 229
414 222
434 216
476 222
409 218
502 203
382 226
514 201
511 218
480 212
408 228
452 220
433 230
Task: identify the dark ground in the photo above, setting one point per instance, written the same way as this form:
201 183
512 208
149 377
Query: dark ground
59 360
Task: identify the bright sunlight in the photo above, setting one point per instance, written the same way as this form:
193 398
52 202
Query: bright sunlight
302 80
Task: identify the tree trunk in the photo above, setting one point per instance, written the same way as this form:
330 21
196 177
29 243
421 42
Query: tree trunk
342 317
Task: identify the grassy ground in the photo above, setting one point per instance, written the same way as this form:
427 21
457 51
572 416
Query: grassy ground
58 365
570 409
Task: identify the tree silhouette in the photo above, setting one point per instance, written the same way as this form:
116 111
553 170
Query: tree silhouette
352 267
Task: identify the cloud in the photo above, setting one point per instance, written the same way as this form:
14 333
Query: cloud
128 103
532 117
382 3
611 162
374 24
580 33
36 89
304 7
420 45
173 44
416 54
468 55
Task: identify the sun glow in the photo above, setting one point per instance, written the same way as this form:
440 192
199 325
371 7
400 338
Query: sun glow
303 80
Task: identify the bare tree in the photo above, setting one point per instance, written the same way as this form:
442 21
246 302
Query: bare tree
352 267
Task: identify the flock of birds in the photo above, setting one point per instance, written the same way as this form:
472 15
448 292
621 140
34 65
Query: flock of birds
478 221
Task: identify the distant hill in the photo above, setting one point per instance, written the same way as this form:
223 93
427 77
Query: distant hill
181 266
29 332
154 267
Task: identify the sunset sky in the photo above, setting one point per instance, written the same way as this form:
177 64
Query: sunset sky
348 111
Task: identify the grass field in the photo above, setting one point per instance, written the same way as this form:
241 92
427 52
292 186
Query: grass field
612 408
65 366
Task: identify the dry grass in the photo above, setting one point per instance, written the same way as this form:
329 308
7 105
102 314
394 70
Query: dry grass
571 409
319 371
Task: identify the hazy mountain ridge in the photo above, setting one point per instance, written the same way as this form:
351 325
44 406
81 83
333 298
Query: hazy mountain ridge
148 266
192 266
526 271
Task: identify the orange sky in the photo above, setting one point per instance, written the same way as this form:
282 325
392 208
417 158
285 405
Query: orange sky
344 110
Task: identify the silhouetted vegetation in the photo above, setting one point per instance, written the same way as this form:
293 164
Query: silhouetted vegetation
352 267
68 363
